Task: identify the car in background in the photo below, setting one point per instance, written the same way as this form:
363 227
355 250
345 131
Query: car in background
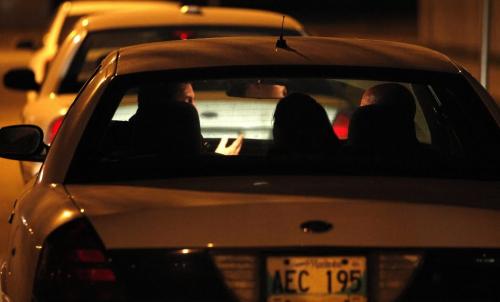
94 37
65 19
131 204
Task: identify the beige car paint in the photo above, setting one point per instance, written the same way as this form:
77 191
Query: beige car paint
249 211
43 209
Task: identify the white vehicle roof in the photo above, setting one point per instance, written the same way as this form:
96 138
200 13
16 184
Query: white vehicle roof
261 51
189 15
92 7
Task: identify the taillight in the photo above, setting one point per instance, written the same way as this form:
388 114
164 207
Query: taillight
341 126
54 128
182 35
73 266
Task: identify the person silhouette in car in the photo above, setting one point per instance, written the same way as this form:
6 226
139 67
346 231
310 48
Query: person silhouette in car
302 127
151 98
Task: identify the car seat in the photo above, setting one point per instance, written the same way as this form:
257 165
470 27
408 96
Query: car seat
172 128
387 125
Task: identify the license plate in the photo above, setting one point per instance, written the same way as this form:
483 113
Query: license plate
316 279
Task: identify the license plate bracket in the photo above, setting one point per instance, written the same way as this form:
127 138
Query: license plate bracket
316 278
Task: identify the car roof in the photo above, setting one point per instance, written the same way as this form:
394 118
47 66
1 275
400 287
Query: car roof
261 51
177 15
91 7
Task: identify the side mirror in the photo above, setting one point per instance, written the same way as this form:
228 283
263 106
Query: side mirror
26 44
21 79
22 142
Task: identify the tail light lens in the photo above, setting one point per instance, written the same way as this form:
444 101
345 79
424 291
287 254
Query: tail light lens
54 128
73 266
182 35
341 126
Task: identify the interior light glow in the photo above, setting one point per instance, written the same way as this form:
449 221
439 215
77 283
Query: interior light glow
185 251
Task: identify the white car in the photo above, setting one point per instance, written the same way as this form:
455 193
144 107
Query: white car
65 19
141 209
94 37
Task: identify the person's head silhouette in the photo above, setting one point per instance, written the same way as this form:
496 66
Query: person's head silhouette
302 127
385 119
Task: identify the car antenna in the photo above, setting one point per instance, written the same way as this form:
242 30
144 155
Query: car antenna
281 43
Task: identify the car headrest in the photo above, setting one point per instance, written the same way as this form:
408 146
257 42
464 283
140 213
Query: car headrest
301 125
173 128
394 95
381 127
149 96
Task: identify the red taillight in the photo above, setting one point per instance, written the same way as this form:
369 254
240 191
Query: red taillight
182 35
96 275
89 256
73 266
341 126
54 128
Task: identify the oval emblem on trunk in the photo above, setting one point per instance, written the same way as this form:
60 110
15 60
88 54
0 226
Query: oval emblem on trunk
316 226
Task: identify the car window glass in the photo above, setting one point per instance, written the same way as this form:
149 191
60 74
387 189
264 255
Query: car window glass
225 116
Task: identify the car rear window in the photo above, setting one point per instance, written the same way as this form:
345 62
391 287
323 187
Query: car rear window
248 126
222 115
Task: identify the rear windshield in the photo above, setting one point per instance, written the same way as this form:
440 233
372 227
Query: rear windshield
98 44
281 125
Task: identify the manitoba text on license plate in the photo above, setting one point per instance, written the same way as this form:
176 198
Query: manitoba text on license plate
316 279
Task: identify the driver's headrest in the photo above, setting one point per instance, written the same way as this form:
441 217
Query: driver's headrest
385 118
173 128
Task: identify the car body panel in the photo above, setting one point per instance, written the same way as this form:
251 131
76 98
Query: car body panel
43 112
61 64
43 208
56 166
240 211
213 16
93 7
44 55
204 53
247 211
